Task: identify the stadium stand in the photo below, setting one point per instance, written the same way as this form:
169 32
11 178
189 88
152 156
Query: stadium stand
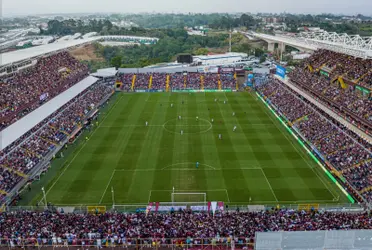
33 86
181 227
340 148
18 159
341 81
190 80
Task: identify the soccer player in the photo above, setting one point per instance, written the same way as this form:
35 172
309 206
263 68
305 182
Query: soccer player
146 123
171 105
220 136
224 102
233 113
215 100
234 128
197 118
179 117
212 120
197 164
181 132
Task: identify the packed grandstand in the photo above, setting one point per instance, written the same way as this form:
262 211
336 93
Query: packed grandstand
341 82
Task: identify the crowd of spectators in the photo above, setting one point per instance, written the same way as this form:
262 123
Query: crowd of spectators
210 81
23 155
338 147
346 99
178 81
33 86
142 81
352 68
191 227
159 80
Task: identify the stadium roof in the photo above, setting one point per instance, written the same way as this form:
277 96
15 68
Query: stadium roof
22 126
21 55
107 72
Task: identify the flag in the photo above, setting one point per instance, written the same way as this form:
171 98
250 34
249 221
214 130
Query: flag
148 208
214 206
156 207
221 206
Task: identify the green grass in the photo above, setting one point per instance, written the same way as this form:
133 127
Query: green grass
261 160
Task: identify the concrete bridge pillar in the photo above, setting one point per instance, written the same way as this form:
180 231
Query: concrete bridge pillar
282 47
270 46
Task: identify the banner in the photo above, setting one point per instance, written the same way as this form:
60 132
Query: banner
364 90
249 80
280 71
221 206
226 70
170 208
201 90
148 208
44 96
214 206
325 73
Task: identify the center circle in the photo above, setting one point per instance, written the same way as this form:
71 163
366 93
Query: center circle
188 125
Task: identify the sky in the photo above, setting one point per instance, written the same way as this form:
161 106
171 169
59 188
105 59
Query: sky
33 7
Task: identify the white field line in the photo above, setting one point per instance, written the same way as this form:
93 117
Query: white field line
85 143
149 197
176 125
227 194
300 153
108 184
268 182
298 202
182 169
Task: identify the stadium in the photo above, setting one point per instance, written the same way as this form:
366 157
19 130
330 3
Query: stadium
186 156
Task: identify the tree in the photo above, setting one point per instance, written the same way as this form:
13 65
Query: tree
262 58
116 61
201 51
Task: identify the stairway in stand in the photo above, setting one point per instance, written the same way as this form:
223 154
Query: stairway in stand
133 82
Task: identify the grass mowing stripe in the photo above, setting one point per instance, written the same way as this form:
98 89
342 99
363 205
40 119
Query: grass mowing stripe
233 164
164 156
118 100
209 149
195 151
331 190
132 151
234 180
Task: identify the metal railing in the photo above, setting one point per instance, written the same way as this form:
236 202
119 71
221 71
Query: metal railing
137 243
167 207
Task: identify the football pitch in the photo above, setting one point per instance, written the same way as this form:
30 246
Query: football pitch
126 162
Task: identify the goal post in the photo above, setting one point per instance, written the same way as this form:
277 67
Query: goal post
189 197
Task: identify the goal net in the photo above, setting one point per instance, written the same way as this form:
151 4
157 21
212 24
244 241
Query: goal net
189 197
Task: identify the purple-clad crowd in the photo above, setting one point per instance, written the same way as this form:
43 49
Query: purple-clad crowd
23 155
352 68
319 75
29 88
177 81
340 148
48 228
346 98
